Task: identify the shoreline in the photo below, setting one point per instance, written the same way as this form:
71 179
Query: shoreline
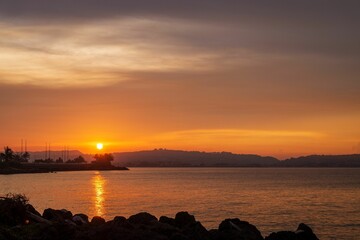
30 168
14 171
20 220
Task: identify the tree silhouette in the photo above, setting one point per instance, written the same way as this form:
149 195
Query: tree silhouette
103 159
79 159
7 155
17 157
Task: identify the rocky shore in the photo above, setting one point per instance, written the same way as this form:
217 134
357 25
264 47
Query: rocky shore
20 220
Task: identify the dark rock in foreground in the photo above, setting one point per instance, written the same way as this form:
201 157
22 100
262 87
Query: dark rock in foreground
19 220
303 232
237 229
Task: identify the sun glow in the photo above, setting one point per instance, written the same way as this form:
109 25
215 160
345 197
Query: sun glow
99 146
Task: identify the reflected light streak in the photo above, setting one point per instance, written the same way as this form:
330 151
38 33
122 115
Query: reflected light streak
99 182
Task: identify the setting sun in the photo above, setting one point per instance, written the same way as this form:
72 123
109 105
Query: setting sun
99 146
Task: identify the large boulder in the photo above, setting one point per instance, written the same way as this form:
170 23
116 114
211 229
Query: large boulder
188 226
121 230
167 220
282 235
80 219
184 218
97 221
303 232
196 231
5 234
178 236
164 229
40 231
142 218
236 229
64 231
119 219
122 222
31 209
57 215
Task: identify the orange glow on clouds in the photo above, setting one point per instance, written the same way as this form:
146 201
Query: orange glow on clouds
190 84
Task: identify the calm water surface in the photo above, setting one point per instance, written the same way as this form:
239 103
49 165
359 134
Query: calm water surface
272 199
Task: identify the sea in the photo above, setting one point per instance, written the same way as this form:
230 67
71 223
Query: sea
272 199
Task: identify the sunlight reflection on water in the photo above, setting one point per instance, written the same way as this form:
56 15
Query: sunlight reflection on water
99 182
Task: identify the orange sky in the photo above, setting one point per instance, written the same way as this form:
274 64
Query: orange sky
210 78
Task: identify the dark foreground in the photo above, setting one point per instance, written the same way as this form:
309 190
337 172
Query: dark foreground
56 167
19 220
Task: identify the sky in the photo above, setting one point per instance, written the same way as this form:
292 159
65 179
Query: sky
279 78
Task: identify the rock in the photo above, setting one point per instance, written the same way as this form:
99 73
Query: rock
41 231
31 209
119 219
196 231
164 229
122 222
57 215
66 214
184 218
178 236
282 235
70 222
236 229
6 235
38 231
167 220
61 224
214 233
97 221
142 218
32 218
304 227
303 232
140 231
80 219
64 230
52 215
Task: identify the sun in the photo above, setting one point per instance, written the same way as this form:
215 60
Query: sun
99 146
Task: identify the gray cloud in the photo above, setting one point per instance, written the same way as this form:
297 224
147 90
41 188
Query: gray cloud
326 27
169 65
222 35
307 11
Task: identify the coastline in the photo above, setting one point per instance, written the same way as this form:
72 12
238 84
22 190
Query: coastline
55 167
20 220
44 168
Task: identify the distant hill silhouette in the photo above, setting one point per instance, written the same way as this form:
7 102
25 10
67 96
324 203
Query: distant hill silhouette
324 161
179 158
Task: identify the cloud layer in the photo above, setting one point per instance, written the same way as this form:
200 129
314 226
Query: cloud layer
185 67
